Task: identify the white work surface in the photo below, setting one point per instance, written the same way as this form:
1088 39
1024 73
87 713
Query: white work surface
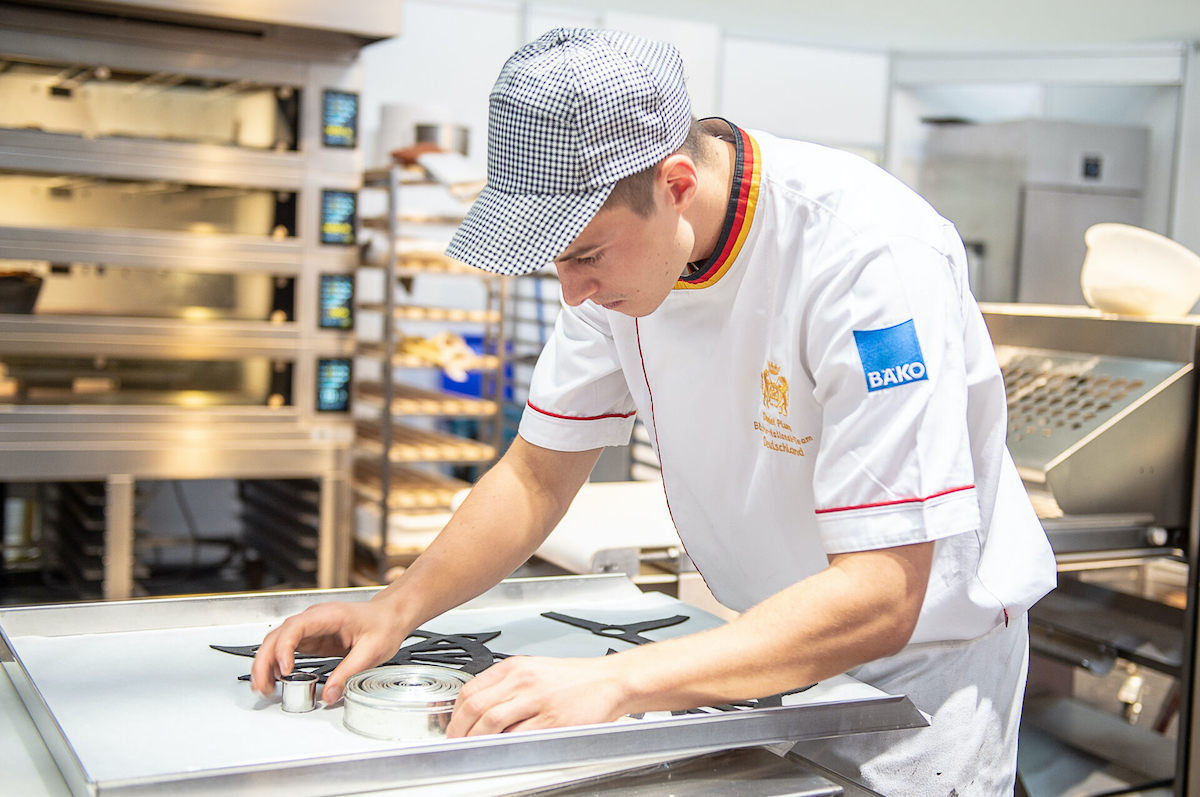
140 704
607 515
28 770
182 707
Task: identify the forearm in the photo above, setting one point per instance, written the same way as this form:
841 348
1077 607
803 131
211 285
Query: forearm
849 614
506 516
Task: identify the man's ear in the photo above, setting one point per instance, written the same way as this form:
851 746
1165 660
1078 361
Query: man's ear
678 181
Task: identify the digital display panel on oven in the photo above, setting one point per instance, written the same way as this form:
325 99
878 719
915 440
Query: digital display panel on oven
338 211
339 119
333 384
337 301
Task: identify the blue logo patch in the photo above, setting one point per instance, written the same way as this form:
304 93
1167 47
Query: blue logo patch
891 356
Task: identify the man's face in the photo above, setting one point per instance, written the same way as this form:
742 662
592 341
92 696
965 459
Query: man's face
626 262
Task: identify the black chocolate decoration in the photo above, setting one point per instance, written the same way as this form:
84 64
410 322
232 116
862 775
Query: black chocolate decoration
631 632
466 652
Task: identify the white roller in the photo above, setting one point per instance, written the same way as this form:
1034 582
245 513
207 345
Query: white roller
607 519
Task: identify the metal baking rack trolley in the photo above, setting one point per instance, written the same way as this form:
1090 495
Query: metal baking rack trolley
401 450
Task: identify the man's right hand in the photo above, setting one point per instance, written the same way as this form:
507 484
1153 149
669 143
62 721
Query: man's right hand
365 633
504 519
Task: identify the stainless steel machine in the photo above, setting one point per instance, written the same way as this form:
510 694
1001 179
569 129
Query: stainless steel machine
1023 193
1102 426
178 187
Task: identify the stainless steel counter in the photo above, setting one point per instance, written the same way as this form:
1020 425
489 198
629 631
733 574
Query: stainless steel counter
188 725
30 771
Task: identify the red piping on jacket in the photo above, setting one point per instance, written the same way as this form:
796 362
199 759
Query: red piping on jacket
901 501
575 418
654 428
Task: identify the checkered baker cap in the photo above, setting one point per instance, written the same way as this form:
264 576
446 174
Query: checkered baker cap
571 114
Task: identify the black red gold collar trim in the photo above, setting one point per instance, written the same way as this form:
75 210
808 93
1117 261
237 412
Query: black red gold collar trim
743 200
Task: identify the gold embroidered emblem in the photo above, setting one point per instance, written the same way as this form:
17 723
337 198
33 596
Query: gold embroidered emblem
775 389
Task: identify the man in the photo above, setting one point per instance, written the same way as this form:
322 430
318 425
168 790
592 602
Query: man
794 327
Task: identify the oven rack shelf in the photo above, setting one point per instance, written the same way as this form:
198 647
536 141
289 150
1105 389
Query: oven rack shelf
418 262
367 562
410 488
404 548
410 531
277 498
76 518
136 337
411 217
417 256
281 519
409 400
156 250
36 151
386 488
452 315
406 175
484 362
419 445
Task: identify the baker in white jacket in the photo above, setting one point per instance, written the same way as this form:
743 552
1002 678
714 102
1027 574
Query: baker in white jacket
795 328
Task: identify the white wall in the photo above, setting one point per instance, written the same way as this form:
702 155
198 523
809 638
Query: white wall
834 97
699 44
451 51
541 18
1186 212
445 61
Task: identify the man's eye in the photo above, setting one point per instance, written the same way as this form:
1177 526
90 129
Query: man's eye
587 260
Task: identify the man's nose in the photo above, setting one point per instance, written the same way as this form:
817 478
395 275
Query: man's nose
576 289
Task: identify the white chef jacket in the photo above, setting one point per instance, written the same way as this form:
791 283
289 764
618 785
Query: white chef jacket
823 384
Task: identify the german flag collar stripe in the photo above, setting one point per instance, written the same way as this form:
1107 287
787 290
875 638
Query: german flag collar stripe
743 199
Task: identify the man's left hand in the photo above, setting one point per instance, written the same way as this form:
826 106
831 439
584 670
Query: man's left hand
525 693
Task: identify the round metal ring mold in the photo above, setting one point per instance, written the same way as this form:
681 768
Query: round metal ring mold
404 702
299 692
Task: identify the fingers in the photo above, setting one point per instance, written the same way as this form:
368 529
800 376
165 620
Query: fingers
525 693
490 711
361 656
276 654
262 672
470 704
492 702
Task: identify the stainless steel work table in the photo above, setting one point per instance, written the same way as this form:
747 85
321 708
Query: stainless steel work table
131 701
30 771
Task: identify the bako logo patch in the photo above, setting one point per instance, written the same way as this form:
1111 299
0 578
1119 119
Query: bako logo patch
891 357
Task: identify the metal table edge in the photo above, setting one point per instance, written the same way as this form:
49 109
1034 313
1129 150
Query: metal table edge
531 751
55 739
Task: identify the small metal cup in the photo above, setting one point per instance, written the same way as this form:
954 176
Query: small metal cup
299 692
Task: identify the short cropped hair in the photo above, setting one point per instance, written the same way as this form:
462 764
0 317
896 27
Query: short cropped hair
636 191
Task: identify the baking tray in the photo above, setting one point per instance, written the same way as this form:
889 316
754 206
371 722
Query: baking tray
132 702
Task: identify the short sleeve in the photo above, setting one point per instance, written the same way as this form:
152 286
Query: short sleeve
578 397
885 348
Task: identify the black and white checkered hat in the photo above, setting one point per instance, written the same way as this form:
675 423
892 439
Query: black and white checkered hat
571 114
